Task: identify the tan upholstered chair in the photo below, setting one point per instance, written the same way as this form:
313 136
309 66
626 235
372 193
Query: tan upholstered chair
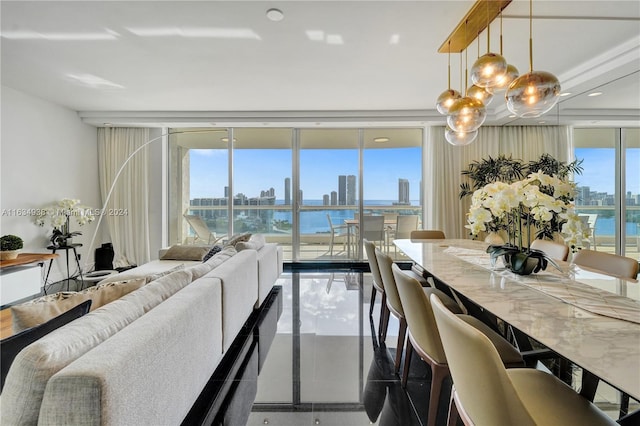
555 251
610 264
393 304
427 234
485 393
424 338
370 249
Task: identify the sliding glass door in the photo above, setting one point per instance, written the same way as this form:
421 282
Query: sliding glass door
306 189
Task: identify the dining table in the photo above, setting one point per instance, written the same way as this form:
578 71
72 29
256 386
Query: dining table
587 317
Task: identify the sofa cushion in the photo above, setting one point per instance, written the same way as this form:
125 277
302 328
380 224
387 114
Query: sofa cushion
256 242
25 383
11 345
153 277
185 252
42 309
150 268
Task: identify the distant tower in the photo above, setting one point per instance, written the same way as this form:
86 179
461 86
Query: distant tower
287 191
351 190
403 192
334 198
342 190
300 199
325 200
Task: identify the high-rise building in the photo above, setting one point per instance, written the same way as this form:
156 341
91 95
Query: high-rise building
334 198
287 191
403 192
325 200
351 190
342 190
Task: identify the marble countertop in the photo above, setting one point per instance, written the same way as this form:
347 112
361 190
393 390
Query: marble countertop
608 347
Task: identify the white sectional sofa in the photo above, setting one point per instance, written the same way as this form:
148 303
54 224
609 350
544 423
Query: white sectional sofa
146 357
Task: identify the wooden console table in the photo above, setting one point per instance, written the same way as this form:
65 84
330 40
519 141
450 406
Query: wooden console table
21 278
27 258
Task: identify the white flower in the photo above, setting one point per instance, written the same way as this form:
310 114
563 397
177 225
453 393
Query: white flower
58 214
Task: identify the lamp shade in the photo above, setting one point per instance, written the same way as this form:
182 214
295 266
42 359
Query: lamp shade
506 79
446 99
483 94
459 138
466 114
533 94
488 69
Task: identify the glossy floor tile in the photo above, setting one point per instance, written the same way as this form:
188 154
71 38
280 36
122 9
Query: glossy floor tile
325 368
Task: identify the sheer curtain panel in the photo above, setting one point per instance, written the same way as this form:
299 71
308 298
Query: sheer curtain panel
127 210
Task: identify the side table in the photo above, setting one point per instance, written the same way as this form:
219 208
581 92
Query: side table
66 249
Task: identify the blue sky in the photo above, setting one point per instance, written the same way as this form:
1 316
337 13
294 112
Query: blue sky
257 170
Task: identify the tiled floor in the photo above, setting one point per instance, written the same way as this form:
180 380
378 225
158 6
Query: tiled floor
325 368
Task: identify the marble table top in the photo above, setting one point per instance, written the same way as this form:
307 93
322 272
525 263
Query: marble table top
606 346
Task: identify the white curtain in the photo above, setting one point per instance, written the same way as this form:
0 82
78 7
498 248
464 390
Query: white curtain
445 162
127 210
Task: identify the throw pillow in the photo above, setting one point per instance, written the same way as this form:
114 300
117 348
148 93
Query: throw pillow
215 249
154 277
238 238
188 252
10 346
256 242
38 311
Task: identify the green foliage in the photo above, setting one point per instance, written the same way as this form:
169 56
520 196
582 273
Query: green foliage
508 170
10 242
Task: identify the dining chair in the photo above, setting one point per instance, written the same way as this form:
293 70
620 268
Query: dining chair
589 222
394 305
610 264
556 251
372 229
486 393
337 231
424 338
377 286
405 224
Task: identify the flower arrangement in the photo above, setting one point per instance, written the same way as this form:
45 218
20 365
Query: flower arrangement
539 206
59 216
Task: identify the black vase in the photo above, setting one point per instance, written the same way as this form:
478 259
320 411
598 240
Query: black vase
521 263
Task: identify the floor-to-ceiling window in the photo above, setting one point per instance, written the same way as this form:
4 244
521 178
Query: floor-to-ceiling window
609 187
306 189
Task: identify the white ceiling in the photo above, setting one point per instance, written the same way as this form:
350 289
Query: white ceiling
203 62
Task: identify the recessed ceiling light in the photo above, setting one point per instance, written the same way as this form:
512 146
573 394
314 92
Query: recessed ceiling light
541 122
595 94
394 39
275 15
227 139
381 139
108 124
563 94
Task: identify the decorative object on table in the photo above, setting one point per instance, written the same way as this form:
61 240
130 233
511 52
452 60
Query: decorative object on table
10 246
59 217
538 206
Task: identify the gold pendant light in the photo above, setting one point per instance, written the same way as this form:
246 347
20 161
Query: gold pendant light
536 92
466 114
459 138
489 68
478 91
449 96
511 74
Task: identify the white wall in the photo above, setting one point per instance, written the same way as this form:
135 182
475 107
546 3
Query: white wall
46 154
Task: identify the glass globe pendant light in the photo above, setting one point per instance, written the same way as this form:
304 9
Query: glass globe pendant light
449 96
478 91
466 114
489 68
459 138
511 74
536 92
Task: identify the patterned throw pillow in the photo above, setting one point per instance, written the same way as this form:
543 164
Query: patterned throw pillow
238 238
215 249
185 252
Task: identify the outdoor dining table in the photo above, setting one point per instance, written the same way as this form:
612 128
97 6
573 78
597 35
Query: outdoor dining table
352 226
591 319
